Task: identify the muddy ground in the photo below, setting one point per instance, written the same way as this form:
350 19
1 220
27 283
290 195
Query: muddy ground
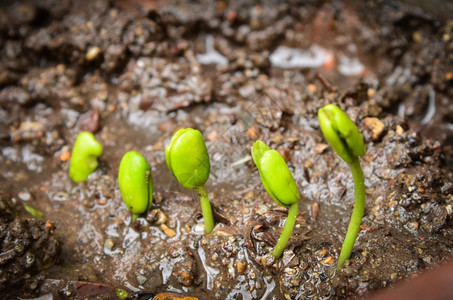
133 72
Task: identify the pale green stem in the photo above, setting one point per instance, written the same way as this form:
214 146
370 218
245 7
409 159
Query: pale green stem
357 214
287 230
206 209
134 218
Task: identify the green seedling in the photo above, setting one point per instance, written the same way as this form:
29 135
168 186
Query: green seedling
122 294
84 156
345 139
33 211
136 183
279 183
188 161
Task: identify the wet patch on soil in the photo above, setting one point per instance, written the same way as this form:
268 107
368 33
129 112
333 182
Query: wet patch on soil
133 72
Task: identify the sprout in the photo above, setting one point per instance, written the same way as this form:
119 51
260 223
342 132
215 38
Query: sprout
33 211
122 294
188 160
84 156
279 183
344 137
136 183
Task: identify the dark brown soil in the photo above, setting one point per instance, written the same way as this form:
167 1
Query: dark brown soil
133 72
28 246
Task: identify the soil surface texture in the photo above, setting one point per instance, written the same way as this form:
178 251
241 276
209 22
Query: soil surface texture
134 72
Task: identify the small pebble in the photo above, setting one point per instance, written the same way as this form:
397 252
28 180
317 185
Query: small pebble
328 260
185 277
322 252
376 126
417 36
213 136
267 260
364 227
198 228
261 210
312 88
89 121
108 244
315 210
92 53
25 196
171 223
290 259
399 129
241 266
290 271
60 196
157 217
158 198
141 279
168 231
252 275
371 92
449 209
320 148
65 156
412 225
391 203
249 195
253 132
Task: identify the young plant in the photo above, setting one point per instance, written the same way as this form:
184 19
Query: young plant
84 156
279 183
188 161
136 183
345 139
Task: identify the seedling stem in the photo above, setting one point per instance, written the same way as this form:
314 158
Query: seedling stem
287 230
206 209
357 213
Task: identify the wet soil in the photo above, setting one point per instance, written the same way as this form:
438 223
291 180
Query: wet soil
133 72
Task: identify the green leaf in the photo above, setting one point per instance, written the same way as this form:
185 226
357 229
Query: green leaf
258 150
34 211
341 133
187 158
122 294
275 175
84 156
136 182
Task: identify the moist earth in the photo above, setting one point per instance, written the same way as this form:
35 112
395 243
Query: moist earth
133 72
28 246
